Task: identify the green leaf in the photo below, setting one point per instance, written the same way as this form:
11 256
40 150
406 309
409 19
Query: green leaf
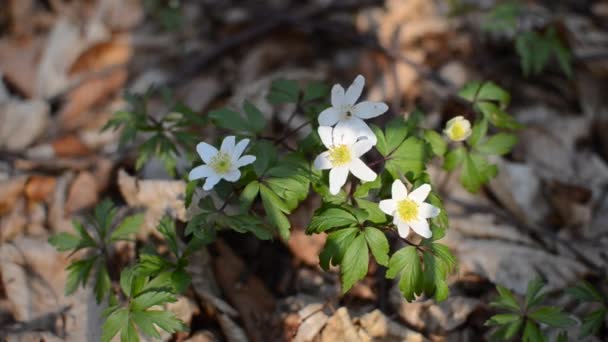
592 322
533 294
248 195
266 156
116 321
499 144
408 158
151 298
532 333
275 209
552 316
65 242
283 91
355 263
335 246
374 214
181 280
230 120
476 171
395 134
78 273
104 214
585 292
314 91
438 145
378 244
469 91
503 17
492 92
130 225
166 227
502 319
508 330
381 145
562 337
497 116
102 282
506 300
255 118
326 218
126 280
454 158
434 276
166 320
480 128
405 263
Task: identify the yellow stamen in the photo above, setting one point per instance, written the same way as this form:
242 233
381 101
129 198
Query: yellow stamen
221 163
407 210
458 131
339 155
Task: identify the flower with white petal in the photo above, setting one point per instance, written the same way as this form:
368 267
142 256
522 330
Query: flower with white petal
346 114
410 210
222 164
458 128
343 157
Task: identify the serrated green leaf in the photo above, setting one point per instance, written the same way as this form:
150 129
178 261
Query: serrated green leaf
378 244
181 280
585 292
532 333
552 316
395 133
335 246
454 158
355 263
275 209
408 158
499 144
78 273
497 116
255 118
480 128
102 282
507 331
314 91
130 225
166 227
115 322
592 322
126 280
283 91
533 294
326 218
374 214
129 333
438 145
150 298
248 195
506 300
266 156
490 91
381 145
229 119
65 242
502 319
406 264
562 337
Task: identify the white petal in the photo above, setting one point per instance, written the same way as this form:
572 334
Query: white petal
420 193
388 206
344 133
360 170
337 96
361 147
239 148
357 128
426 210
421 227
337 178
233 175
322 161
398 190
245 160
330 116
210 183
228 144
206 151
404 229
200 171
368 109
325 133
354 90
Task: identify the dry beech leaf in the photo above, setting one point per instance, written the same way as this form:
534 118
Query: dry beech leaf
40 188
69 146
18 62
22 123
83 193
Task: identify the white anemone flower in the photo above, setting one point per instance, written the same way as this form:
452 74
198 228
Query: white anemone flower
222 164
345 113
343 157
410 210
458 128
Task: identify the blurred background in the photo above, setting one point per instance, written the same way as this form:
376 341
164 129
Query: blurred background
65 66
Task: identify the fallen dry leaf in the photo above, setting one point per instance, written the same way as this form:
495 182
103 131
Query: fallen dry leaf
83 193
22 123
18 62
69 146
340 327
40 188
10 191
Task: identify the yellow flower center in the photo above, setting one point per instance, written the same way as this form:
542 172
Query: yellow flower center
458 131
407 210
340 155
221 163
